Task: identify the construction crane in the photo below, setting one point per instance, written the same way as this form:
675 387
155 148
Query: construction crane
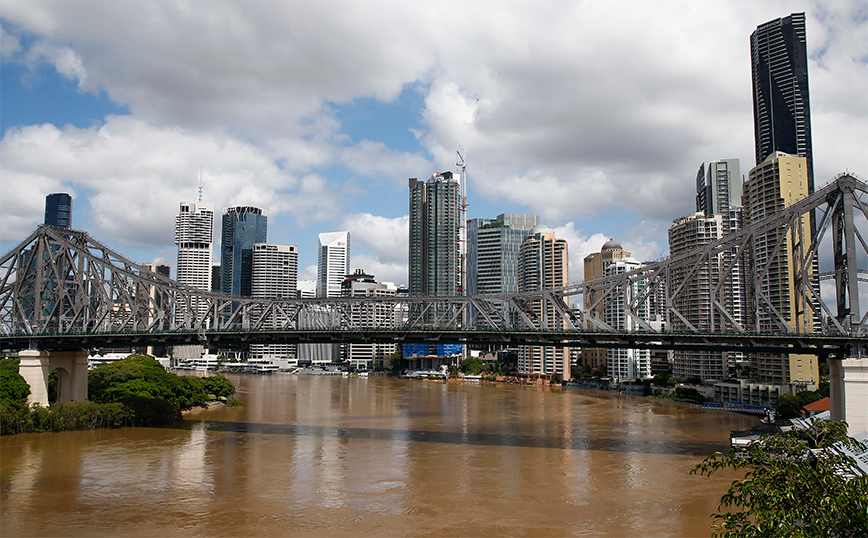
462 210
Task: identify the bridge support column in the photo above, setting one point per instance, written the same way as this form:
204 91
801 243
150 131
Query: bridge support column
855 394
35 366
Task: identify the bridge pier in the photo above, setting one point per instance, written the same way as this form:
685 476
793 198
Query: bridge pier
36 365
848 391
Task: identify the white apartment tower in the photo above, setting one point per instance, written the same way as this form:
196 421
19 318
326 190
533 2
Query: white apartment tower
194 235
333 263
627 364
274 275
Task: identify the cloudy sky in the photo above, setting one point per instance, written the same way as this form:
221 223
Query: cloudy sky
593 115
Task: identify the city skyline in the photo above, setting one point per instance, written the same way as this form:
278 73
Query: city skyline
598 129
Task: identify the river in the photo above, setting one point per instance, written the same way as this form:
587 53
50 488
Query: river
336 456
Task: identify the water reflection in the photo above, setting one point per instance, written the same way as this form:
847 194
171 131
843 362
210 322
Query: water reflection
335 456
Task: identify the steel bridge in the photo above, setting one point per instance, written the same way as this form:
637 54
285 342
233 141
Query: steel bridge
62 289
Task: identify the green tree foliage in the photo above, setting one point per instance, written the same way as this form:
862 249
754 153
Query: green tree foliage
787 407
789 490
19 418
218 385
396 361
10 364
473 366
143 385
13 388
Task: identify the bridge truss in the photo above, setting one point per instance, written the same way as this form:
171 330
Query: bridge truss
62 288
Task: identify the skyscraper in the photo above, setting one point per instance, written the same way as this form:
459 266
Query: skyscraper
243 226
58 210
778 182
781 104
493 247
194 232
544 264
274 274
333 263
434 222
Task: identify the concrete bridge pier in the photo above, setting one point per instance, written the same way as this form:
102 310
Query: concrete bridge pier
36 365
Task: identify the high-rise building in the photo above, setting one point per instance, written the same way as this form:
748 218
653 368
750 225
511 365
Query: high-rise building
627 364
333 263
781 103
194 233
596 266
694 299
544 264
434 227
154 300
493 247
379 315
274 275
58 210
778 182
215 278
718 190
243 226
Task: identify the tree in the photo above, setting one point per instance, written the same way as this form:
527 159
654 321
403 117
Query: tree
473 366
789 490
396 361
218 385
13 387
787 407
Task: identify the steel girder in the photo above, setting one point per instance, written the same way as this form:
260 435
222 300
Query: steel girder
63 282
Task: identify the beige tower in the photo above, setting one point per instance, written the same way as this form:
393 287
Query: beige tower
780 181
543 263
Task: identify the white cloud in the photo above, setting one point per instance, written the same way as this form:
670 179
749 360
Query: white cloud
584 109
137 174
389 238
382 271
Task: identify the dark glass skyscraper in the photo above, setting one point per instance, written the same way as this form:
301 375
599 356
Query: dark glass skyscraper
434 224
242 227
781 105
58 210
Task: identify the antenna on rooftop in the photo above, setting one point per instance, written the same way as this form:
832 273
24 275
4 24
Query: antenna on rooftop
200 184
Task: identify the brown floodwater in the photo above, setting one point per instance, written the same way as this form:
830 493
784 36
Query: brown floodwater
333 456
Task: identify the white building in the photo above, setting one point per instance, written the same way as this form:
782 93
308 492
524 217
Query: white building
194 235
374 315
627 364
274 274
333 263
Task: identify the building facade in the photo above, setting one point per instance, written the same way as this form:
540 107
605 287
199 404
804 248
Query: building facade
243 226
596 265
544 264
434 229
367 356
776 183
333 263
627 364
58 210
781 102
194 235
274 276
493 247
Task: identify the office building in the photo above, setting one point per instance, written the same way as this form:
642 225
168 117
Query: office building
194 232
778 182
434 227
215 278
333 263
274 275
58 210
373 315
243 226
544 264
596 266
781 103
493 247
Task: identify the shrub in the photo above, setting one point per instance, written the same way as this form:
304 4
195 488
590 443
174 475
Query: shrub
13 388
